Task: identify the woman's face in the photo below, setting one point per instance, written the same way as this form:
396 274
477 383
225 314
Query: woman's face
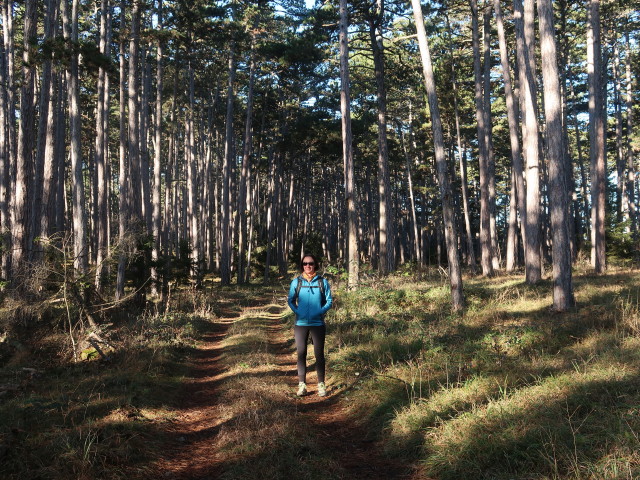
308 265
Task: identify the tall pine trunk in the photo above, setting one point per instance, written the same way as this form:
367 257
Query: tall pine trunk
157 160
123 175
79 215
455 274
24 158
353 261
630 161
243 205
101 226
559 196
386 234
229 153
486 256
525 39
5 221
513 115
491 162
596 138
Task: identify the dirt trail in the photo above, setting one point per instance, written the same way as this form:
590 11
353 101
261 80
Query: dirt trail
190 451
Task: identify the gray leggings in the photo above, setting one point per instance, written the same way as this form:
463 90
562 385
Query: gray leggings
301 334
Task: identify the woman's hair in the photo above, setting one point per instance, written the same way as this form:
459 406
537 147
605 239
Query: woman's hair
315 261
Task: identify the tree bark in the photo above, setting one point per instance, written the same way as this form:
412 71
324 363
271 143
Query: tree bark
225 253
135 193
100 155
513 115
596 138
414 220
491 162
24 158
455 275
123 175
481 119
525 37
157 159
243 205
630 167
563 298
5 220
191 159
353 260
80 250
386 234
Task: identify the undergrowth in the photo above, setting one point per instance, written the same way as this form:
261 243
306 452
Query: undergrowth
506 390
96 418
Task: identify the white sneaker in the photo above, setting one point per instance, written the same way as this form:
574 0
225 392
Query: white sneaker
322 391
302 389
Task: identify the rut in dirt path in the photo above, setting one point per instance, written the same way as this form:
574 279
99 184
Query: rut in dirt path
264 432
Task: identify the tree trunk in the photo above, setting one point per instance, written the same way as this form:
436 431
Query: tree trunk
562 284
596 138
630 168
123 175
455 275
145 181
135 206
24 158
157 159
386 235
491 162
525 37
481 119
225 253
462 161
45 129
80 253
100 155
414 220
191 160
513 114
5 222
243 205
353 260
7 24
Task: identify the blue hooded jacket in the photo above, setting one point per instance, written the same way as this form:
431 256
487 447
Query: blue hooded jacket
308 305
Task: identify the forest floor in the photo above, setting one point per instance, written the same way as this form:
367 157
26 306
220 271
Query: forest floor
193 444
205 389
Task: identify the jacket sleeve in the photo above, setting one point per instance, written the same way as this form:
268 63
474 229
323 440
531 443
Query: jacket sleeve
327 297
290 299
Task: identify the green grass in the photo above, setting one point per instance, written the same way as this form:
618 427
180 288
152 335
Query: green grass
506 390
94 418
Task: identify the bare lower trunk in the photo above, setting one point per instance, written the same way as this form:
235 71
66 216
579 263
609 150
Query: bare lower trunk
100 156
157 161
596 138
562 284
525 46
24 158
455 275
225 251
123 175
481 119
513 114
353 261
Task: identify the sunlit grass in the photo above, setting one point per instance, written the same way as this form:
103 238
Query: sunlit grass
506 390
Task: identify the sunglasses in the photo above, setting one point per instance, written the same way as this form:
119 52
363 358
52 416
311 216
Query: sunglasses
310 264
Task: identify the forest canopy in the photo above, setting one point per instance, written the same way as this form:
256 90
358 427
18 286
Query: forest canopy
154 141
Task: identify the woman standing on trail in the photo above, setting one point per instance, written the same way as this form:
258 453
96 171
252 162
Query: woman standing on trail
310 298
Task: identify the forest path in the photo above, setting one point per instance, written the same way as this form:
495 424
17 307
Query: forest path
191 444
